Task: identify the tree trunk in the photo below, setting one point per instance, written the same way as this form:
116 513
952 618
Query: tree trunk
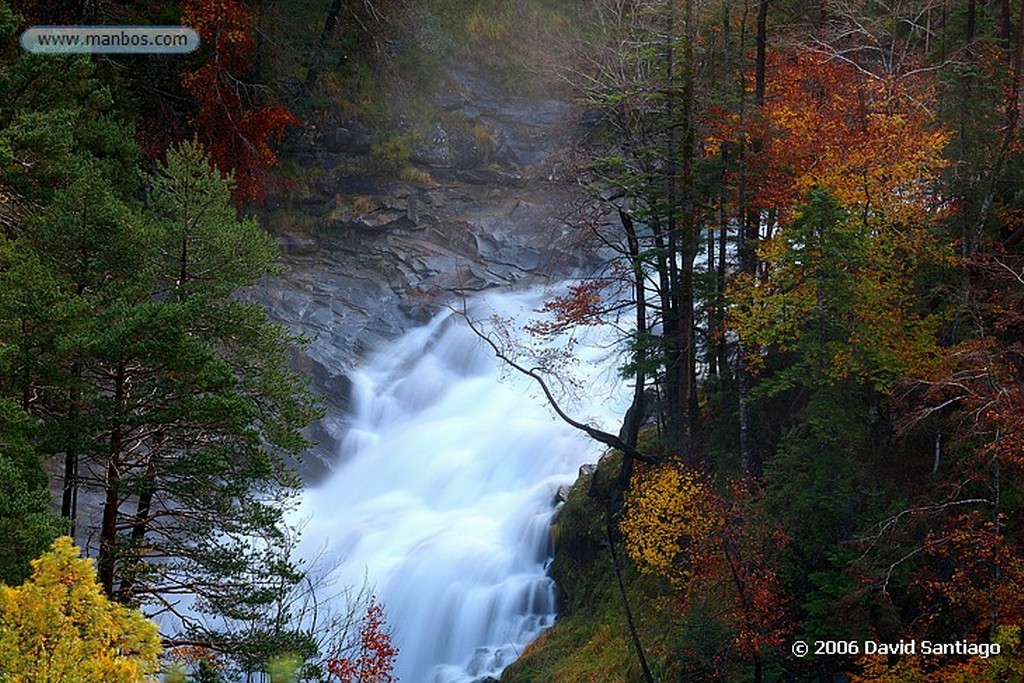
140 524
972 24
762 53
635 414
673 337
316 59
750 234
627 612
69 494
683 243
111 507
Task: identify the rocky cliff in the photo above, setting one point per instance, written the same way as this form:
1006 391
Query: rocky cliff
388 226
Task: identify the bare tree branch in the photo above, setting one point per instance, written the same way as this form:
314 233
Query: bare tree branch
599 435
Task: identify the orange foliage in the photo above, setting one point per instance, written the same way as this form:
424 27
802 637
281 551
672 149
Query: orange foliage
920 669
972 570
981 575
824 123
192 655
713 549
375 658
969 579
829 125
581 306
235 122
740 567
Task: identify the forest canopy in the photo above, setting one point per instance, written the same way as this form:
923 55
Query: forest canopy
812 211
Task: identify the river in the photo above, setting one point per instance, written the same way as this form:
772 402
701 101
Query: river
445 487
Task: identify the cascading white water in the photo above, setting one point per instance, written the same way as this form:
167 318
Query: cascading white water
445 490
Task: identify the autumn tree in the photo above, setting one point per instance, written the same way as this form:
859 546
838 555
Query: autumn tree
836 323
236 120
721 558
952 560
838 296
827 124
373 657
59 626
670 512
872 159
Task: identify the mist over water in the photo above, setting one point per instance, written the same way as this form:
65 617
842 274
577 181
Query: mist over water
445 489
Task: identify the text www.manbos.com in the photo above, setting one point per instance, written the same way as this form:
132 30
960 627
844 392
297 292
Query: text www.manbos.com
109 39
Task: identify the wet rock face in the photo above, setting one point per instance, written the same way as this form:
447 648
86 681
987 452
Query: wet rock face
497 127
480 203
353 138
458 150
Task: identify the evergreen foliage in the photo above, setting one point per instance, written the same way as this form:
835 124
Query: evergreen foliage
26 524
131 364
817 214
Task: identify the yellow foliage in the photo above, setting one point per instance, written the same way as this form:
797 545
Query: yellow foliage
1008 665
416 176
481 25
669 509
829 269
59 627
483 136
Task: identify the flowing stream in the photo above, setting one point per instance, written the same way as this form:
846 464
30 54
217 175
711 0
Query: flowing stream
445 489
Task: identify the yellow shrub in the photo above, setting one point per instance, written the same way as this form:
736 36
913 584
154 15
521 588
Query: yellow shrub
59 627
669 508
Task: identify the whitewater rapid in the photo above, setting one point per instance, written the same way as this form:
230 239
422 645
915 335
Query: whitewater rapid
445 489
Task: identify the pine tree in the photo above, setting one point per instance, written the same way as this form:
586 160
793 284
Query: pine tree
199 407
26 525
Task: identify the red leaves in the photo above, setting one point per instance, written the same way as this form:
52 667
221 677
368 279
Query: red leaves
750 548
976 572
967 571
827 124
581 306
235 122
830 125
979 396
718 552
375 658
225 25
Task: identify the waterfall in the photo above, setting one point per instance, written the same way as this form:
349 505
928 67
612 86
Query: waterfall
445 488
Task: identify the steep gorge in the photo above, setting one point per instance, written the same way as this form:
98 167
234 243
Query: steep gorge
436 474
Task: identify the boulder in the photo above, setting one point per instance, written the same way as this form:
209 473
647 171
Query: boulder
352 138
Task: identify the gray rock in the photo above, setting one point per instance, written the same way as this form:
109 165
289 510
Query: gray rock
297 245
387 255
351 139
562 494
440 149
